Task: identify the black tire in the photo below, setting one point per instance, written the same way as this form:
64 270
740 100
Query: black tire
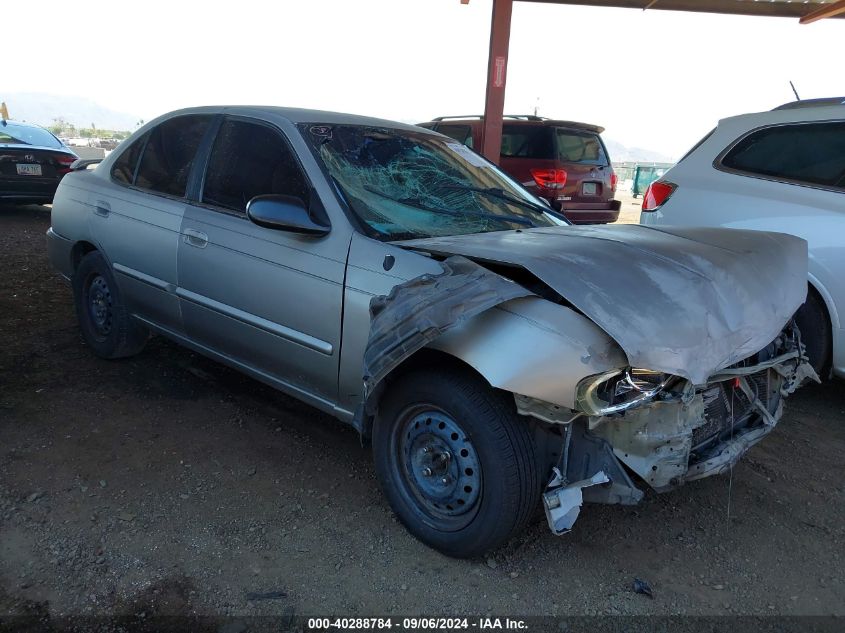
103 318
814 323
487 507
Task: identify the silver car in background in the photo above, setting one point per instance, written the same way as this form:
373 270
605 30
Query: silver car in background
496 357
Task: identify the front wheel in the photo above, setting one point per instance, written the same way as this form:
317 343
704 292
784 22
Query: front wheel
455 461
814 324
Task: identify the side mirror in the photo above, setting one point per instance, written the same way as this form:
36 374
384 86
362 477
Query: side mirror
284 213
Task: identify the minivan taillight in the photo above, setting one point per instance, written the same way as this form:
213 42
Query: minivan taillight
549 178
613 180
657 194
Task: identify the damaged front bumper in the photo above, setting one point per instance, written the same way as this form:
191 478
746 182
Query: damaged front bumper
685 433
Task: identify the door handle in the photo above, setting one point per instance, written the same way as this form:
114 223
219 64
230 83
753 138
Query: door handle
102 208
192 237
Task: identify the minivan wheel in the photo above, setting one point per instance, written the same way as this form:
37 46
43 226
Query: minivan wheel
814 324
106 325
455 461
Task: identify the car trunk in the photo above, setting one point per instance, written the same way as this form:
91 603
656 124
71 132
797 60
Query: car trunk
28 170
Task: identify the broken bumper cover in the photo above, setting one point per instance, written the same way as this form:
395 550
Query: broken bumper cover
694 432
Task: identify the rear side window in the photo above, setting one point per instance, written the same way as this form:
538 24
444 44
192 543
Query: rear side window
804 153
170 153
123 169
584 148
461 133
248 160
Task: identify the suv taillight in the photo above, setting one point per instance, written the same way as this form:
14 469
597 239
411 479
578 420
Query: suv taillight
549 178
613 180
657 193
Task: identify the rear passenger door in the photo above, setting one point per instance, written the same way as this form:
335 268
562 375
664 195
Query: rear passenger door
265 300
137 214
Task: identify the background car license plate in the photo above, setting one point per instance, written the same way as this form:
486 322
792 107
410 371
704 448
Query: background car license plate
29 170
589 188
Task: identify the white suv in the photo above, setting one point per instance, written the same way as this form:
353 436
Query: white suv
784 171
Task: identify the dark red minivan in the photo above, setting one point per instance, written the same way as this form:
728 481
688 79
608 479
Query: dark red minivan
562 161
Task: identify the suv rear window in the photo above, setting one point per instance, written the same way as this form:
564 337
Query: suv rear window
804 153
552 143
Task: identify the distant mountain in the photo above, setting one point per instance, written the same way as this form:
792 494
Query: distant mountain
41 109
622 154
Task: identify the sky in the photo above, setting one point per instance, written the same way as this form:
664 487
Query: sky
654 79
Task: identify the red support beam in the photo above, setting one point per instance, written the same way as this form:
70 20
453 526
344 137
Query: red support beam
497 66
827 11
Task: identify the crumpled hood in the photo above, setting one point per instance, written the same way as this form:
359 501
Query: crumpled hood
685 301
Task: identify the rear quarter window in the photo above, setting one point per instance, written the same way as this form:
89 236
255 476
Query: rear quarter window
800 153
123 169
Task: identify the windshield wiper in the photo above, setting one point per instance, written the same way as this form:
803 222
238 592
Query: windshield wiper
500 193
418 204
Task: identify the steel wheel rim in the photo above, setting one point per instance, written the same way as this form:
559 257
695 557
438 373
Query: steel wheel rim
100 305
439 466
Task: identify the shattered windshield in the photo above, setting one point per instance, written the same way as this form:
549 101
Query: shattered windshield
404 184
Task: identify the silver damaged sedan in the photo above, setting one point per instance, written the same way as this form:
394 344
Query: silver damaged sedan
496 358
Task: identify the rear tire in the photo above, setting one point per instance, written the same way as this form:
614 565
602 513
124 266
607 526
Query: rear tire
814 323
106 325
455 461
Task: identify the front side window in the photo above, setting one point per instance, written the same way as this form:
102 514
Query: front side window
14 134
170 153
804 153
123 169
406 184
248 160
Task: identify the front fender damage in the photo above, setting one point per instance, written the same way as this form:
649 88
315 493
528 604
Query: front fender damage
687 432
419 311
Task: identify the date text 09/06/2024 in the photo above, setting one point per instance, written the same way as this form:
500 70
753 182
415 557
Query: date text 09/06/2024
416 623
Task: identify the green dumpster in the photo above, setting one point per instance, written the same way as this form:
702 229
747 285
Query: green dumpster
644 175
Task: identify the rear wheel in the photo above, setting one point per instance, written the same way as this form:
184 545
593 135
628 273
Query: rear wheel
455 461
103 318
814 323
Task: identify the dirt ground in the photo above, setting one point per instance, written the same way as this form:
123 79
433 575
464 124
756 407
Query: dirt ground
629 213
167 483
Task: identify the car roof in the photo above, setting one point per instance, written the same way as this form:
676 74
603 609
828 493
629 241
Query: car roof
523 119
812 103
293 115
784 115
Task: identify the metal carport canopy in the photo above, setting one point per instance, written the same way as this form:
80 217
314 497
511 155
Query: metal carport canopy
805 10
